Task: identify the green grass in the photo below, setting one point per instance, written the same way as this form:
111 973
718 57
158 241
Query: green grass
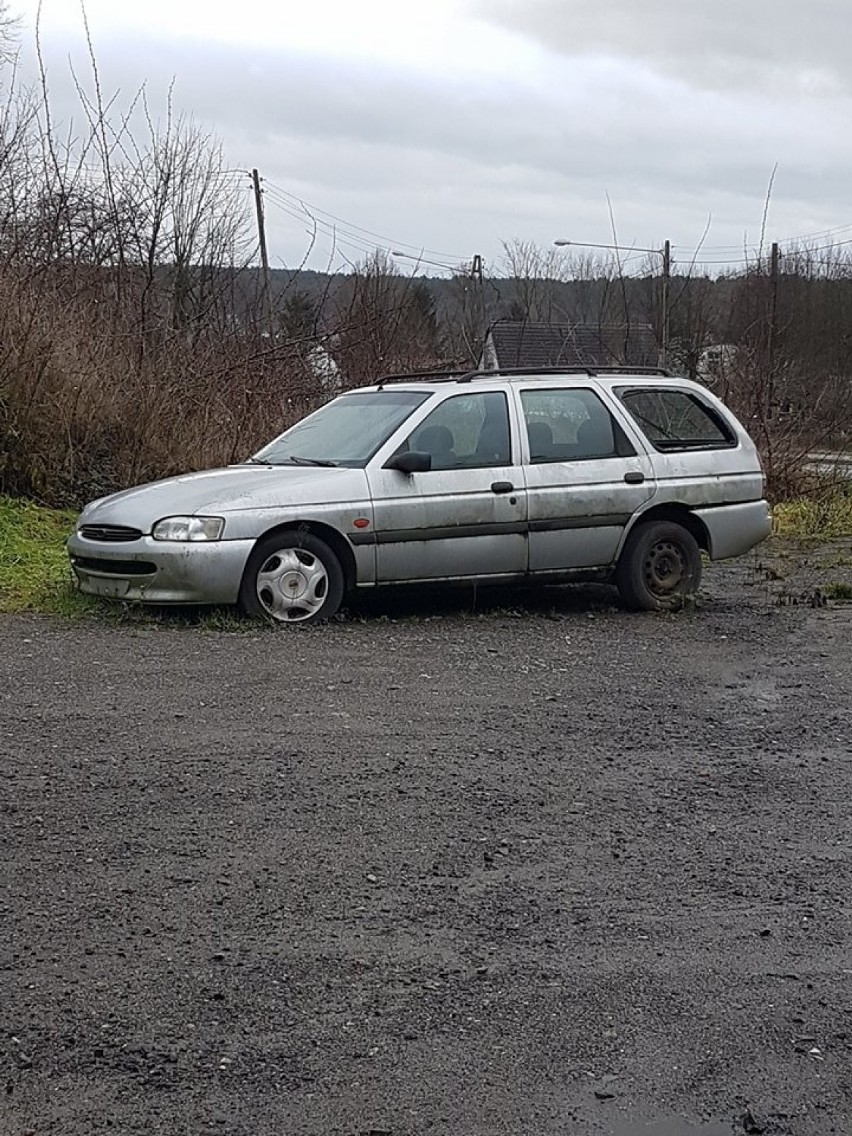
839 561
34 570
823 518
840 593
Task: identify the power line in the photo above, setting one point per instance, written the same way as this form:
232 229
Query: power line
818 235
314 223
315 210
343 236
339 240
356 237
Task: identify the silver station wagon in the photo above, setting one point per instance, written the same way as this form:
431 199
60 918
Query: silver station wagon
545 476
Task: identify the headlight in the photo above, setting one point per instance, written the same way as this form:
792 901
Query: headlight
188 528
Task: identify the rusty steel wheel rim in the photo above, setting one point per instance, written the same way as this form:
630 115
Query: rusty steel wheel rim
665 568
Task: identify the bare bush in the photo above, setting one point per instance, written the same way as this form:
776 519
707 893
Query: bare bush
129 347
792 362
383 322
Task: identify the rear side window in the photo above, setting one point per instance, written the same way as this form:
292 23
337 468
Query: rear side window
677 420
571 424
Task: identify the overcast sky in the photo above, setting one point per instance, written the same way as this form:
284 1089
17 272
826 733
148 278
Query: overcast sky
454 125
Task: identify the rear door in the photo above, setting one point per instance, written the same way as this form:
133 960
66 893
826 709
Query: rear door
467 515
585 477
702 458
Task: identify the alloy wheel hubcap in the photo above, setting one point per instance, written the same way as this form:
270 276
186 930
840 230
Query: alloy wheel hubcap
292 585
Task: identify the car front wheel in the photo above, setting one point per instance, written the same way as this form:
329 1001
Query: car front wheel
292 577
659 566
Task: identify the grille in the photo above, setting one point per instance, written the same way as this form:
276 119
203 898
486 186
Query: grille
111 533
116 567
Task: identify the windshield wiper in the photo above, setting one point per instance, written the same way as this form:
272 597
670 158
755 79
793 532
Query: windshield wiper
296 460
259 461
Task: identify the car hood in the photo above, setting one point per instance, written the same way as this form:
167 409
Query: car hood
221 491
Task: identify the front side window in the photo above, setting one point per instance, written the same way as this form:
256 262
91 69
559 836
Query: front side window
571 425
677 420
347 431
467 431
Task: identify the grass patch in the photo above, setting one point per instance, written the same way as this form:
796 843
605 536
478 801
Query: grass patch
840 593
821 518
34 571
839 561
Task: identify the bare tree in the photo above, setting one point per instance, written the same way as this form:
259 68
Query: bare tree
383 322
535 271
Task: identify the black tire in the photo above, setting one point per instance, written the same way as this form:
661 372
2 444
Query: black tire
659 567
292 577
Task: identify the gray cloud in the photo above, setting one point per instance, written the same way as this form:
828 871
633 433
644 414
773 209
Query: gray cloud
719 44
457 166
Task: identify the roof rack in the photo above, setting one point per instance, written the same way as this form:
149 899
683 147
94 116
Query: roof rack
461 376
591 369
413 376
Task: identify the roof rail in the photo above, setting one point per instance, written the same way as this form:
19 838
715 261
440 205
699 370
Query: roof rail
578 369
440 376
459 375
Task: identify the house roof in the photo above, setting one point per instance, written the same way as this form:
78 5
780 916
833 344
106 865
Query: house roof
522 343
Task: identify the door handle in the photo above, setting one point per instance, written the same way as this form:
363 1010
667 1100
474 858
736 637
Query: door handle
501 487
634 477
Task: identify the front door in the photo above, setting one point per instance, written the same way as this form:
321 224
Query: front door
466 516
585 479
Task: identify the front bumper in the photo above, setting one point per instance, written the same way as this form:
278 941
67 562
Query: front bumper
160 572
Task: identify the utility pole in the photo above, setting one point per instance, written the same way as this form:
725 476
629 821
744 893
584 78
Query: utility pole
476 276
266 292
667 276
773 313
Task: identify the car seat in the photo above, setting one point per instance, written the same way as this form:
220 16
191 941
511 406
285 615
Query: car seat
493 446
437 441
541 440
594 438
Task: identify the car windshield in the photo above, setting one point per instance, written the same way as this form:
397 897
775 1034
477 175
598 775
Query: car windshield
347 431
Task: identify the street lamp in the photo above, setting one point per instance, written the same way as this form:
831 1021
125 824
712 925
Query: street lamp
666 253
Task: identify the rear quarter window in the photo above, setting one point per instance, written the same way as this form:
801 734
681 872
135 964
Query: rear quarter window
676 420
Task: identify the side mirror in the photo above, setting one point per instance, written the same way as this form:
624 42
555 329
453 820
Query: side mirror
412 461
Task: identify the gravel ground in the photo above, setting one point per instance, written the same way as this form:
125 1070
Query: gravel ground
535 867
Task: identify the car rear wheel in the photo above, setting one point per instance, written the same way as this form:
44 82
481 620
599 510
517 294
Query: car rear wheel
292 577
659 566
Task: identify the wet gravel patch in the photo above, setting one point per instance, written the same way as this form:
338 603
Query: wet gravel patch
511 863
